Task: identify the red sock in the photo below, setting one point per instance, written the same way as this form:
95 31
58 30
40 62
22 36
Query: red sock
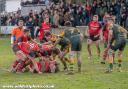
15 64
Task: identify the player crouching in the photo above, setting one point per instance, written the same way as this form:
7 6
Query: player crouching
25 53
117 41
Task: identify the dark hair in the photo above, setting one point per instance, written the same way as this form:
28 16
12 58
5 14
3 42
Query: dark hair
26 30
20 20
48 33
110 19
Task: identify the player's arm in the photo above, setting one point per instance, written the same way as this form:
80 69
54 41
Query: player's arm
13 38
32 40
123 30
19 40
100 34
101 31
87 32
57 42
47 43
110 36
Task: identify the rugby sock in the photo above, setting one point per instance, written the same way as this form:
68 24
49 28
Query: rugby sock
111 66
105 55
119 59
15 64
65 65
66 59
113 57
110 62
98 51
119 65
71 67
79 65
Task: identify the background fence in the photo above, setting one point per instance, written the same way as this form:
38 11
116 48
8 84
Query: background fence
6 30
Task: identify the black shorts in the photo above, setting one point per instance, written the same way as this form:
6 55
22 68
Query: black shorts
94 38
33 54
15 48
76 47
118 45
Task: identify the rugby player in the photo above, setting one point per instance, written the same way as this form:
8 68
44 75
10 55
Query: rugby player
117 41
93 35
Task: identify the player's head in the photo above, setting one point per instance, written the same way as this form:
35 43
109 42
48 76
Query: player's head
26 32
110 22
46 20
48 35
30 19
21 23
76 31
55 51
68 24
95 18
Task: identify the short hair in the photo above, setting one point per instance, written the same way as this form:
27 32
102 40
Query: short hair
26 30
76 30
48 33
20 21
110 19
68 24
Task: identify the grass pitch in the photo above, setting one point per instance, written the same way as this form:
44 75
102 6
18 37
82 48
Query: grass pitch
91 77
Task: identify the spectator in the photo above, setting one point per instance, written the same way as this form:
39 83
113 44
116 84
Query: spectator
30 26
77 14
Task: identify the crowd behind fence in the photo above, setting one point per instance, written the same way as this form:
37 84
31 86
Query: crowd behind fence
77 14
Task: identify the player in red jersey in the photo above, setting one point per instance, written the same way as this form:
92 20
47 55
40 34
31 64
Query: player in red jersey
47 63
93 34
105 34
45 28
19 53
30 50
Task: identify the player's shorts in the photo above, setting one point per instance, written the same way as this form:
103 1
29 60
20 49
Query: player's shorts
94 38
76 47
15 48
118 45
